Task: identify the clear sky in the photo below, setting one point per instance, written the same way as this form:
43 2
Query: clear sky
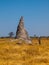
35 12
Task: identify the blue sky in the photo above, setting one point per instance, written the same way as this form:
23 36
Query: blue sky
35 12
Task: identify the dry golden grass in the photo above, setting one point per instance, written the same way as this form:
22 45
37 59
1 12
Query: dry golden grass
12 53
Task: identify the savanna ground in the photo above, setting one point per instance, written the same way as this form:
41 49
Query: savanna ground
12 53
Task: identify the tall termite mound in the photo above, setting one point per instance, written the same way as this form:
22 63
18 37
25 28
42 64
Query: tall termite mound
21 32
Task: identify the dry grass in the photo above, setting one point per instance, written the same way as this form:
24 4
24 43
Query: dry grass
12 53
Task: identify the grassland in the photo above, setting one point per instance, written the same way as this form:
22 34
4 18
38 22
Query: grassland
12 53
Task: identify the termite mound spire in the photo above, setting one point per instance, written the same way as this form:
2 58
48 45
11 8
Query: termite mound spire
21 32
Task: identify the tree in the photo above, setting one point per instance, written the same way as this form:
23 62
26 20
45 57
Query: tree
35 35
11 34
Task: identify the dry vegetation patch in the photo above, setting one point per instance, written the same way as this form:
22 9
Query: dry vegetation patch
12 53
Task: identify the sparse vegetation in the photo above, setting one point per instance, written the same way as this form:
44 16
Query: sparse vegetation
11 34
